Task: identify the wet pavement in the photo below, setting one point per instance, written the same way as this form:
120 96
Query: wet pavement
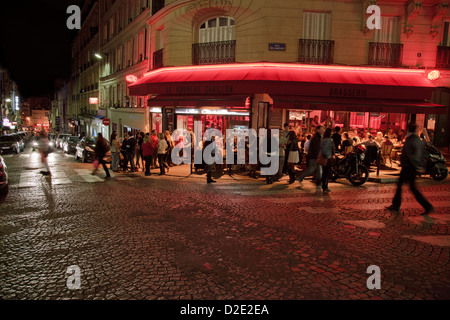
176 237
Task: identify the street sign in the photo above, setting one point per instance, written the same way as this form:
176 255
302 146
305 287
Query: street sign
106 121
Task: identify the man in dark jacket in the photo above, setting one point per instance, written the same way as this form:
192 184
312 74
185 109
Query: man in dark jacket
208 141
101 148
412 161
313 154
131 148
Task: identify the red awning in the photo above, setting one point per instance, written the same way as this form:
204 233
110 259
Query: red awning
197 101
357 105
287 79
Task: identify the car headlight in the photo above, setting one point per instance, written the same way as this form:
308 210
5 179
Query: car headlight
89 149
362 156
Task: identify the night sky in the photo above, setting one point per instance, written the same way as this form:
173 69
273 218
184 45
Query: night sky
35 44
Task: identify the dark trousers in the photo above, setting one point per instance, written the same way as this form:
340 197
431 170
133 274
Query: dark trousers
409 174
162 163
130 157
208 172
148 162
326 170
103 163
285 166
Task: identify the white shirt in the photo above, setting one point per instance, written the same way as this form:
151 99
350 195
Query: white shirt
162 146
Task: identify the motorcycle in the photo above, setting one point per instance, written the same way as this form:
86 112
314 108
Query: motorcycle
350 167
435 163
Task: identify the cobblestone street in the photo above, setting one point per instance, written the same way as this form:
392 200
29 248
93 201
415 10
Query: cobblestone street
176 237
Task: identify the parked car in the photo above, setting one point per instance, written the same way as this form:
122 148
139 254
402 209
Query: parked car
20 140
59 140
86 150
4 187
70 144
9 143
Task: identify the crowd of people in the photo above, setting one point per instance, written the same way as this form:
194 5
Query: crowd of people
147 151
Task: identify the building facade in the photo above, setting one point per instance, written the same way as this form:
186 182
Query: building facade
124 35
10 103
83 87
249 64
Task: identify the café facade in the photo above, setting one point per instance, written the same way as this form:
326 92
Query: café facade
266 95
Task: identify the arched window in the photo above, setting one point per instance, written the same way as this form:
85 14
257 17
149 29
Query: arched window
217 29
216 42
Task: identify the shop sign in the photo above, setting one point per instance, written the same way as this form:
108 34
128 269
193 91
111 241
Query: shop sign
348 92
277 46
375 115
93 100
156 110
200 89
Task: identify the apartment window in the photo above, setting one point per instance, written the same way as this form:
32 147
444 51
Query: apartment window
216 42
141 46
317 25
316 46
389 32
217 29
385 50
443 51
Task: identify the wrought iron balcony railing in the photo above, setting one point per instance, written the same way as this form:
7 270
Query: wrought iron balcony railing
158 59
214 52
385 54
316 51
443 57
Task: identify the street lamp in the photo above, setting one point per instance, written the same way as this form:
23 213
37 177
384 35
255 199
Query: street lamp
8 100
98 55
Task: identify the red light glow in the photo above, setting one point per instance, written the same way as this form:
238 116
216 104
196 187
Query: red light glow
131 78
434 75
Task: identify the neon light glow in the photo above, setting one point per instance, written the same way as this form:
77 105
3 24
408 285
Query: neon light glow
434 75
213 112
131 78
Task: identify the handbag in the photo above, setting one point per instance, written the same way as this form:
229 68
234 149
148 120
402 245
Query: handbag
321 160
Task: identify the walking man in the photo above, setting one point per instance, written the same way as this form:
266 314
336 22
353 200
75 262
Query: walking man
412 161
44 146
101 148
313 154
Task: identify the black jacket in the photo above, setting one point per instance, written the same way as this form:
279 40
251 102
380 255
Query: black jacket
101 148
412 152
131 144
314 146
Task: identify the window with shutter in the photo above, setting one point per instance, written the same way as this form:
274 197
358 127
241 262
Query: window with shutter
216 42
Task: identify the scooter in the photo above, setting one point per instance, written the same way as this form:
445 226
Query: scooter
350 167
435 163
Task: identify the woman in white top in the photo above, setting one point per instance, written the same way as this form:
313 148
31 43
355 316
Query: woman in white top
115 149
162 150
